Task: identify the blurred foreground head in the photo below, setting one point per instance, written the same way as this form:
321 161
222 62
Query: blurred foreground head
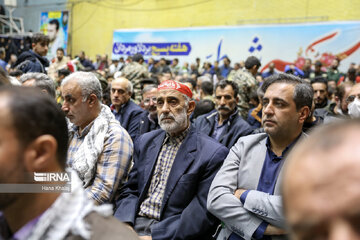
322 184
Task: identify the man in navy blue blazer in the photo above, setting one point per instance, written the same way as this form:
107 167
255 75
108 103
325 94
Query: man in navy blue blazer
125 110
148 119
224 124
165 196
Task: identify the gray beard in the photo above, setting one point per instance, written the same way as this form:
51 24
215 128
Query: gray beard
179 122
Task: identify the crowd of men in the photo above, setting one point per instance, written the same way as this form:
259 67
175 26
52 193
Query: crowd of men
159 151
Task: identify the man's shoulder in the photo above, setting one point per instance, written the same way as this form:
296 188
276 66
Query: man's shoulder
206 116
206 143
133 107
149 136
116 130
252 138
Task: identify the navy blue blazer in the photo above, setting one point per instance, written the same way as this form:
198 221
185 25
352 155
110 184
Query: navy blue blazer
129 118
235 128
183 212
146 125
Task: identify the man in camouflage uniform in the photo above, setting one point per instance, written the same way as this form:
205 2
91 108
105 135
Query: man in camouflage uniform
135 72
245 78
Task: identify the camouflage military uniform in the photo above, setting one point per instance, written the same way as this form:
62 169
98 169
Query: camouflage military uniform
247 83
135 72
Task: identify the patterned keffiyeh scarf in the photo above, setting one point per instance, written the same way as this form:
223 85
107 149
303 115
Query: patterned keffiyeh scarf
67 214
89 151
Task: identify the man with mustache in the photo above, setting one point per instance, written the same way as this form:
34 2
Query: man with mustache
100 150
224 124
245 194
165 196
125 110
149 119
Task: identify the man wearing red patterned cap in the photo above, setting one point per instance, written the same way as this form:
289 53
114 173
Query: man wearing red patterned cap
165 196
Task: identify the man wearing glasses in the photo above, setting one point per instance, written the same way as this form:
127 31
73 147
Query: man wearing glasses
148 119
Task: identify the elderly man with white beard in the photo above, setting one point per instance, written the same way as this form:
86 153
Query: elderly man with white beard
165 197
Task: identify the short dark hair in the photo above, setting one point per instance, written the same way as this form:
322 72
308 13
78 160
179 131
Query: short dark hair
319 80
340 90
16 73
64 72
202 107
207 87
34 114
251 62
137 57
40 38
303 92
318 63
56 22
61 49
223 83
227 59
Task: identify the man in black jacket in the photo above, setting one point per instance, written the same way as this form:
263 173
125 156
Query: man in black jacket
224 124
34 60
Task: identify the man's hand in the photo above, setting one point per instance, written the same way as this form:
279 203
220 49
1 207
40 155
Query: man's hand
238 192
145 237
272 230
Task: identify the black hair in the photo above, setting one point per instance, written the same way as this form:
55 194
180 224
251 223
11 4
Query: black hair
16 73
251 62
319 80
61 49
34 114
303 92
223 83
64 72
207 87
56 22
203 107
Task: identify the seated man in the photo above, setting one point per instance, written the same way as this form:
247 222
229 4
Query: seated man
224 124
245 194
148 119
33 136
100 150
125 110
321 184
165 196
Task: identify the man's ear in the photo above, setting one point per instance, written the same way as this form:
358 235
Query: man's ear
304 114
33 45
191 107
40 155
92 100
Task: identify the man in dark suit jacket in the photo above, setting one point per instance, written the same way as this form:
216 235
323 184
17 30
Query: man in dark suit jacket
148 119
165 197
224 124
126 111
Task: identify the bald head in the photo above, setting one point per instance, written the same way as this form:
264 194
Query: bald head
121 91
321 184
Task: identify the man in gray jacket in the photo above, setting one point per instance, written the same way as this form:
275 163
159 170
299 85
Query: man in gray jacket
245 195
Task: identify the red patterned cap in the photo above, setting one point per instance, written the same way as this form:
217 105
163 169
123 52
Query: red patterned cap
170 84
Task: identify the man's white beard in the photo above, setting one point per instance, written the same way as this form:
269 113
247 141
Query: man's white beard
179 122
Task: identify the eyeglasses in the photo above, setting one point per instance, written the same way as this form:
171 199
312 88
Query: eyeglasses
351 98
147 100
